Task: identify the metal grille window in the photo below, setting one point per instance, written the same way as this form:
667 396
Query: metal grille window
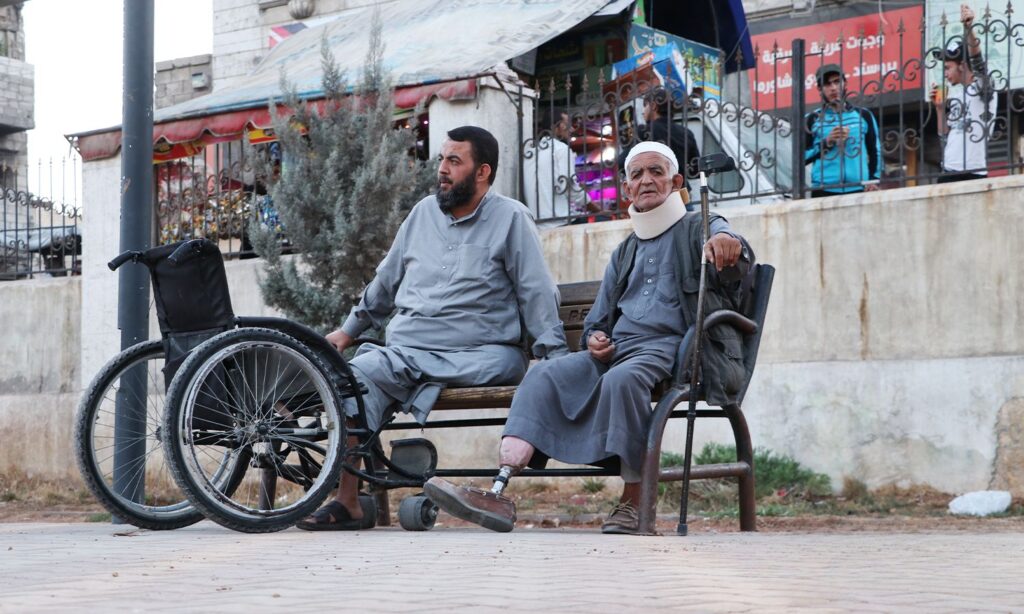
39 235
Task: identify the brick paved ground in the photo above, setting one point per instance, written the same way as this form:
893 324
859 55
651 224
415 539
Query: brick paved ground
90 567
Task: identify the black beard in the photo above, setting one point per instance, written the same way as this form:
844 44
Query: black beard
458 194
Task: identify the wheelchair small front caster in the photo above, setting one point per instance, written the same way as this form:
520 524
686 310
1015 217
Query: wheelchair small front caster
417 513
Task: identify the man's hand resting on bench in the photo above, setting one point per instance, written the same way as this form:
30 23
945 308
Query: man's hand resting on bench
600 346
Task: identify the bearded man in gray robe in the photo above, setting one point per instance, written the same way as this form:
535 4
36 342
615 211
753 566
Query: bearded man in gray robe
593 406
463 278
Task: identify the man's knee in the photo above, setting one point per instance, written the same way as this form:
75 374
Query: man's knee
622 376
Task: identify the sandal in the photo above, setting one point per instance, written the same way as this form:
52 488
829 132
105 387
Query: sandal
334 517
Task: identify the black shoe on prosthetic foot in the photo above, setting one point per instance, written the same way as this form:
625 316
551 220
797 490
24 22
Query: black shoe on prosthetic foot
485 508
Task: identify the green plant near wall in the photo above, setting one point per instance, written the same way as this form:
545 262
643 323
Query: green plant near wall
774 475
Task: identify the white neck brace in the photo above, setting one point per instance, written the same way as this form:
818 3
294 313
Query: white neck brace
649 224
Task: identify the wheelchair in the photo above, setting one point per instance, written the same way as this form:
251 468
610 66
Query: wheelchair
246 414
118 423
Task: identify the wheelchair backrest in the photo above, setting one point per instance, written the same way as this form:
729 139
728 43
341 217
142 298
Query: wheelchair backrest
190 291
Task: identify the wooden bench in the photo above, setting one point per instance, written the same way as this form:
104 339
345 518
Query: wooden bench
577 299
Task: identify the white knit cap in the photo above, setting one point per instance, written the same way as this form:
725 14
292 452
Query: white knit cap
655 147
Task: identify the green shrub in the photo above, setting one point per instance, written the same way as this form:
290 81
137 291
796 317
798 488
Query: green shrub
773 473
779 478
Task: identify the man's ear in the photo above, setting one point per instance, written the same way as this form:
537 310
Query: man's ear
625 189
678 181
481 175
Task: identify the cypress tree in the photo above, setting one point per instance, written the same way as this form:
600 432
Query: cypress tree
348 177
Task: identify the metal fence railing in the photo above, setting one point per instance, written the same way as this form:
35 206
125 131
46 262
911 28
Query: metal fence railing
215 193
898 118
39 235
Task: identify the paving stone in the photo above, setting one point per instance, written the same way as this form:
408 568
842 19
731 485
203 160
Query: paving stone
205 567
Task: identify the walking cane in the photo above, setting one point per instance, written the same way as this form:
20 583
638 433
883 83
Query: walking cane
708 165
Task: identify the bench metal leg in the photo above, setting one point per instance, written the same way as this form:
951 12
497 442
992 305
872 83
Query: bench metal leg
744 454
651 471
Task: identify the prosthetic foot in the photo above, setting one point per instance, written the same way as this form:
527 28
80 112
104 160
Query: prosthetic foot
489 509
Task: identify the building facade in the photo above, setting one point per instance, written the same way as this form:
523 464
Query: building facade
17 93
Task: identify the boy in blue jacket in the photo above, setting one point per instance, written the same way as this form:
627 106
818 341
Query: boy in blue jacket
841 141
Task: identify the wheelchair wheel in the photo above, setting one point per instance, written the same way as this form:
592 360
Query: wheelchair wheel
151 499
417 513
269 403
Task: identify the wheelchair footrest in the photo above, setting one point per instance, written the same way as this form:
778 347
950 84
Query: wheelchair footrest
416 456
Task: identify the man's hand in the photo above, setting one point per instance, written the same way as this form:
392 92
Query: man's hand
722 250
340 340
600 346
966 16
837 135
871 187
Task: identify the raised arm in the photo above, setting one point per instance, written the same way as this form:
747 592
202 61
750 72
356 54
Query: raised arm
975 59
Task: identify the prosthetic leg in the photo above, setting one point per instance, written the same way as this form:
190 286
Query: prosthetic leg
487 508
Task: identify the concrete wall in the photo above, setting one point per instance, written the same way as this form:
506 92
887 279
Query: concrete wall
102 199
17 91
39 374
12 32
893 349
183 79
17 96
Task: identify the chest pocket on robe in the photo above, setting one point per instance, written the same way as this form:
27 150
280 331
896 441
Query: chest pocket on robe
474 262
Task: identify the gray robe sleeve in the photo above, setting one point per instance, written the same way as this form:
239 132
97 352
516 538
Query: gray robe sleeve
378 300
738 270
534 289
597 317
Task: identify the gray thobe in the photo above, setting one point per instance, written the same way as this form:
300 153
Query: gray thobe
461 291
579 410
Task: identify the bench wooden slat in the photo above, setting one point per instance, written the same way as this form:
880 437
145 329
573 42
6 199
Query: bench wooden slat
495 397
476 398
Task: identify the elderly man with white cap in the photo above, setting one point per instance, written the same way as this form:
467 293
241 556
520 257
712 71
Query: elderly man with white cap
593 407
